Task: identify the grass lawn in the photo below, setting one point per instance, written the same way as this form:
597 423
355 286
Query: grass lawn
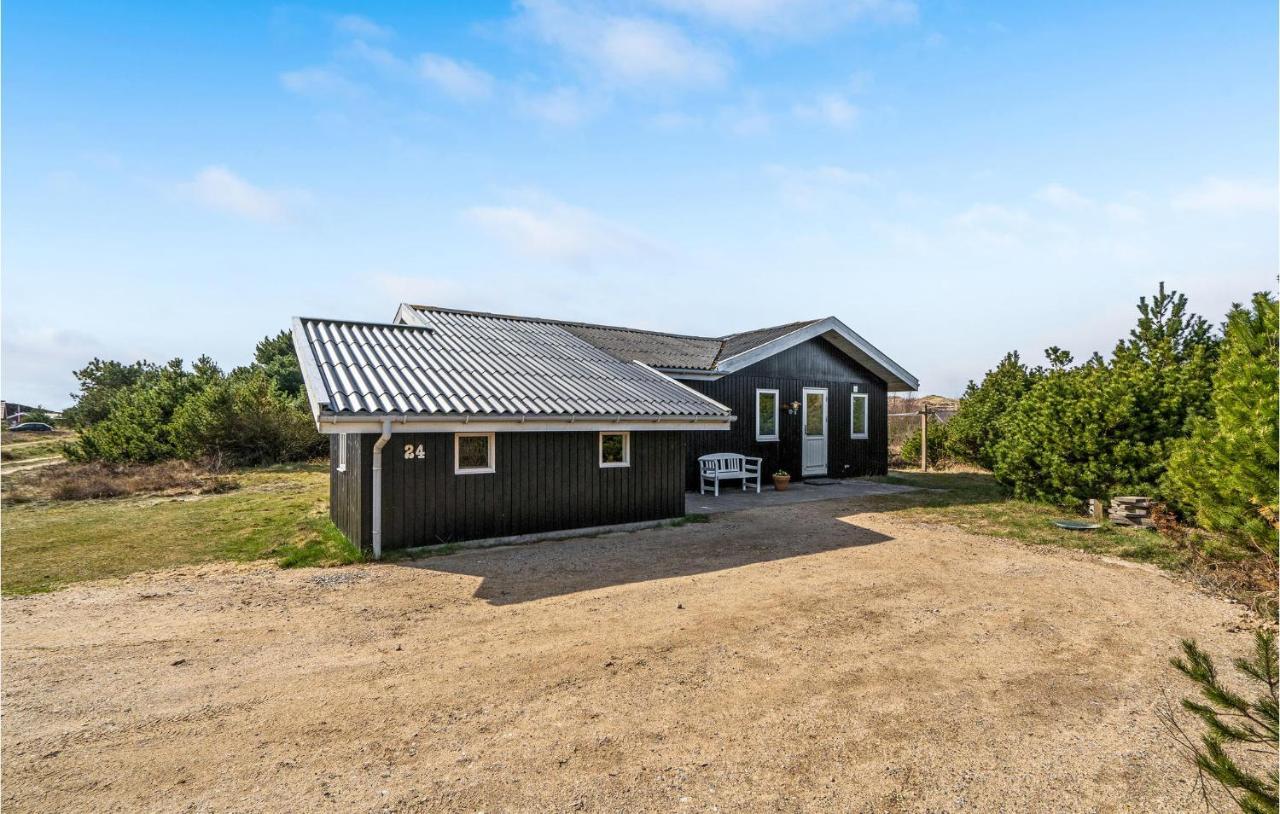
279 512
974 502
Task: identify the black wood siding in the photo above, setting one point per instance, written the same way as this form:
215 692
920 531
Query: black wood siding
347 489
545 481
816 363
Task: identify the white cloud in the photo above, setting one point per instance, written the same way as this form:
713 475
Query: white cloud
221 189
1124 213
625 50
550 231
563 107
829 108
748 119
378 57
815 186
357 26
319 82
461 81
793 17
1226 196
1062 197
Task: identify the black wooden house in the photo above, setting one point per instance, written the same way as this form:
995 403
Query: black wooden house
452 425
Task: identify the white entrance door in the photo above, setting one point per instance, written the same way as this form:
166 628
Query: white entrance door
814 440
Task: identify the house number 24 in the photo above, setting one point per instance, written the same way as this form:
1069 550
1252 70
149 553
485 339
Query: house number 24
411 452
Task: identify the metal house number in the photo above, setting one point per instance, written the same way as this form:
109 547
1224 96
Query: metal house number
411 452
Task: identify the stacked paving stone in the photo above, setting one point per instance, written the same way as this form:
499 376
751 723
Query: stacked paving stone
1131 511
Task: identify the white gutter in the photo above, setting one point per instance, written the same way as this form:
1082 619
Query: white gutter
377 487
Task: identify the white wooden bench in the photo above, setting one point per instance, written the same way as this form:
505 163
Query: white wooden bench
727 466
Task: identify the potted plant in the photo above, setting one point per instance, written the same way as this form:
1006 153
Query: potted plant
781 480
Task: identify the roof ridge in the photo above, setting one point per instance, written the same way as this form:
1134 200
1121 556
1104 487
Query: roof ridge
367 322
573 322
727 337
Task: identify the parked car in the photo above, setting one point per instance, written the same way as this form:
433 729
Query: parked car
33 426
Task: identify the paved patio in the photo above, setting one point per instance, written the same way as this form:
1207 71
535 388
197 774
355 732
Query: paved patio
732 498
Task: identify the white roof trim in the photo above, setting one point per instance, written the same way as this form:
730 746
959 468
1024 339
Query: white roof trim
311 376
840 335
331 424
702 396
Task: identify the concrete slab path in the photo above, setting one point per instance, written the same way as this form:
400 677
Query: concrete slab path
733 499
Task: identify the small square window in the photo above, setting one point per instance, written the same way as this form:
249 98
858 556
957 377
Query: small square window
766 415
473 453
858 415
615 449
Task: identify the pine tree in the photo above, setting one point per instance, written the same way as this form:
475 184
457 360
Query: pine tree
1231 720
1223 477
974 430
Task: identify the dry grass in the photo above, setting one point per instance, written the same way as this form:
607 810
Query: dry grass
93 481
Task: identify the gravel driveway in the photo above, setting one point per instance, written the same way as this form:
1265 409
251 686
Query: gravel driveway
790 658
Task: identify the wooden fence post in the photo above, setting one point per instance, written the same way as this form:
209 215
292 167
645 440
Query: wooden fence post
924 439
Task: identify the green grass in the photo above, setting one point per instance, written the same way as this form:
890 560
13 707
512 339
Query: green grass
974 502
278 512
691 518
24 446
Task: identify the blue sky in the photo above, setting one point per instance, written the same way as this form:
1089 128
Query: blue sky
952 179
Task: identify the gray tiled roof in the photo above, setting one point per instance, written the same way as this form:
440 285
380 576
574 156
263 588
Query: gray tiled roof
473 364
655 348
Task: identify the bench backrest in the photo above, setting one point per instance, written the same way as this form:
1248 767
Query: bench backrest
722 462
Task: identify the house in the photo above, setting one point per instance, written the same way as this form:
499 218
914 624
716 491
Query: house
450 425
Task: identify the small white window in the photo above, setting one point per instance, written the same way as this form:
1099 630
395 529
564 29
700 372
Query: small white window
858 415
342 452
615 449
766 415
473 453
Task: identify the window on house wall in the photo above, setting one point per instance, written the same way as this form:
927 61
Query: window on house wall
342 452
473 453
615 449
858 415
766 415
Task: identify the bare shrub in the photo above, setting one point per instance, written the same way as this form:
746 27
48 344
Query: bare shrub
98 480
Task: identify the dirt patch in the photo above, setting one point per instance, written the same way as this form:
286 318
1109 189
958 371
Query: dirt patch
92 481
799 657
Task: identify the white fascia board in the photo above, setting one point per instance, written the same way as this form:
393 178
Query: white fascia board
895 376
690 375
312 380
406 314
330 425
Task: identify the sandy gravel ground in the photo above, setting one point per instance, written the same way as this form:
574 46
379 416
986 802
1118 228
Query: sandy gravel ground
788 659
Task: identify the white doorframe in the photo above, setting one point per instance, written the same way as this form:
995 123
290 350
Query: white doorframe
813 448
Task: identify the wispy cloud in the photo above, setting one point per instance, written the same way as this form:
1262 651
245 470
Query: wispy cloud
1062 197
832 109
459 80
319 82
1224 196
547 230
622 49
221 189
810 187
792 17
563 107
357 26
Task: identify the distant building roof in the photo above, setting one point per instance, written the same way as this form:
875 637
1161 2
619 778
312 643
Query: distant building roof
681 352
477 365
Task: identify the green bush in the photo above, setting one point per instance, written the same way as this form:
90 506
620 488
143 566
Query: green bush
244 420
1223 476
1105 428
940 452
143 412
975 430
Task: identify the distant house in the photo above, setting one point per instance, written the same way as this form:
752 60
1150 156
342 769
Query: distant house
453 425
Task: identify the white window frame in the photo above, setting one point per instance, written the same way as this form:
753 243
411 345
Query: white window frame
626 449
342 452
866 415
776 414
483 470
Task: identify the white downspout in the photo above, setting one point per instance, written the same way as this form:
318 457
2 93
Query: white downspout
377 487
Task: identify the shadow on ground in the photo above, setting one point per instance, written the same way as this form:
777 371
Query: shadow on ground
731 539
556 568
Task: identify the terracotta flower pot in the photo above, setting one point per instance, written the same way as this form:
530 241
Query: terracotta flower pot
781 482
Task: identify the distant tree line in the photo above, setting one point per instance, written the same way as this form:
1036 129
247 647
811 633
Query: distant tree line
143 412
1180 411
